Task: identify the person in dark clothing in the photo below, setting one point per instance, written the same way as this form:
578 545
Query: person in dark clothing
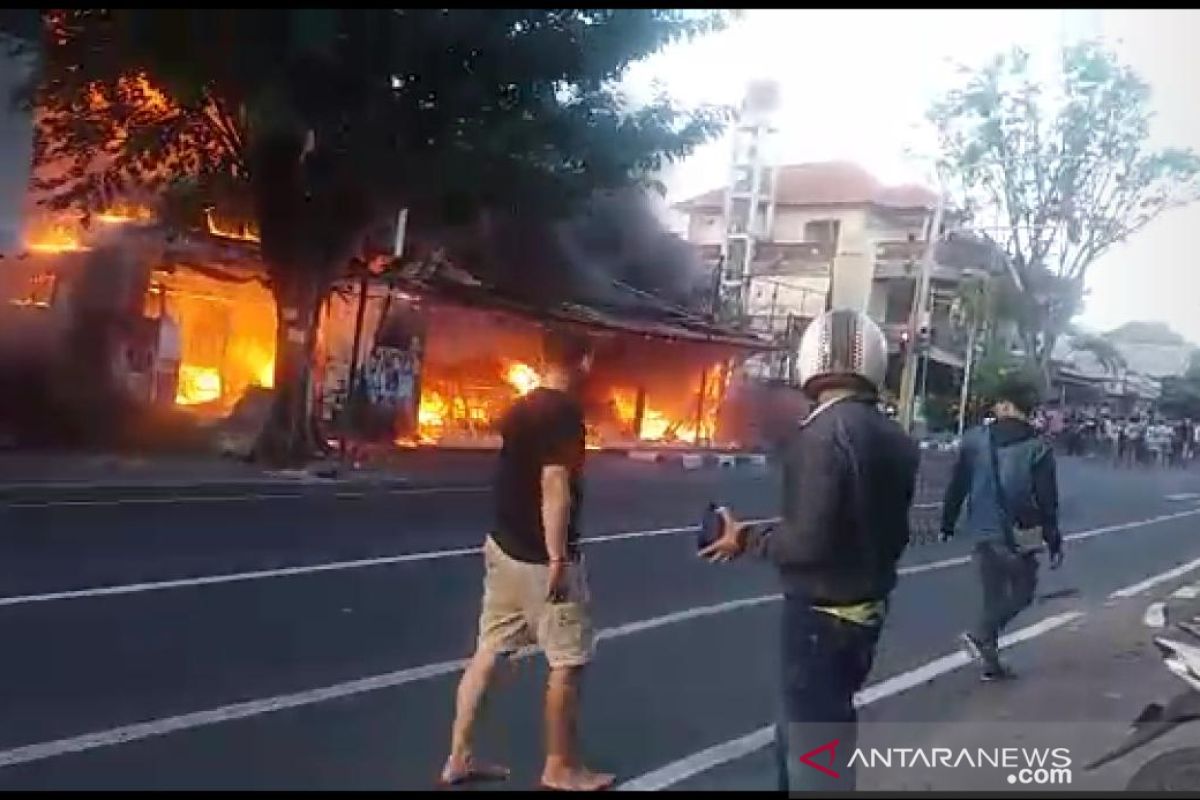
1006 475
535 585
849 474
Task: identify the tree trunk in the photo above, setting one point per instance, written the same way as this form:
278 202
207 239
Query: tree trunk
290 435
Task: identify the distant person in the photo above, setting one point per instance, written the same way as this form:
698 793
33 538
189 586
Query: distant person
1006 475
535 588
849 477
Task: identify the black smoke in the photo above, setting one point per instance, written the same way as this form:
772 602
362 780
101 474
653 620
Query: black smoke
614 253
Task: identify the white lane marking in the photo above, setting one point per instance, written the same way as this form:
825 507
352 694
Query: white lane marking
1183 496
1156 615
239 498
1124 526
929 566
1154 580
1189 591
433 555
692 765
266 705
308 569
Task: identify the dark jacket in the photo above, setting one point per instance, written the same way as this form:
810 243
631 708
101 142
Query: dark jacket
1018 447
848 479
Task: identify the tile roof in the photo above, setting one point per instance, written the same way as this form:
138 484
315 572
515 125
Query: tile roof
830 183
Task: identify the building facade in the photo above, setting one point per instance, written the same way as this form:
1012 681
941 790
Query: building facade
838 237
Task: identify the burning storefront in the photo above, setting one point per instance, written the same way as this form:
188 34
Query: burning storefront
135 314
191 325
444 357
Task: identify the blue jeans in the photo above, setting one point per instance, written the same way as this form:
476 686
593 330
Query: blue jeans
826 661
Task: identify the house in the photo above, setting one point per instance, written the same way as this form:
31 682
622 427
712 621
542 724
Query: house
833 234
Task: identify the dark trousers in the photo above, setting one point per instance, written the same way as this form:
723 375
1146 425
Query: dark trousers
826 660
1009 581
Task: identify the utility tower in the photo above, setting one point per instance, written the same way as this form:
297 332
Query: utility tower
749 196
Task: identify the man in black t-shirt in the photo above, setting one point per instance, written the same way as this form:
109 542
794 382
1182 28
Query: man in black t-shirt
535 587
544 427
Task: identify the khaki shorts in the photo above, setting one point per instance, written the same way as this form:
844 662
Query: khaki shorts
516 613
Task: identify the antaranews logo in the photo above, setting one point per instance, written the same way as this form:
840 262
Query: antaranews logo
1025 766
828 747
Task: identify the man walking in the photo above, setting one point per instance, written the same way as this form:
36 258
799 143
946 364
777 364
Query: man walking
535 588
849 474
1006 474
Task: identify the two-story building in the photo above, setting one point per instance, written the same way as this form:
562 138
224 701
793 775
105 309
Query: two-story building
836 236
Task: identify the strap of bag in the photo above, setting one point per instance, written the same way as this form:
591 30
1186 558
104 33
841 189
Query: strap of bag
1001 505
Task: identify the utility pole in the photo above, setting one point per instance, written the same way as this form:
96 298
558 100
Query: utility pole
919 317
965 395
750 196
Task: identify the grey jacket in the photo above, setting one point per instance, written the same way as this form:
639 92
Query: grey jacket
1026 461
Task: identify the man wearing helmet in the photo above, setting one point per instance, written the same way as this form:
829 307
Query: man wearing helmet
848 479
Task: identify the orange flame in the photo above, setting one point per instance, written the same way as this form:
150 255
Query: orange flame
242 232
197 385
522 377
55 238
125 212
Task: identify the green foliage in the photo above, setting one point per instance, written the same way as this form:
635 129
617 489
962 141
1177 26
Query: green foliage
1060 173
319 124
1105 352
1181 393
323 122
998 368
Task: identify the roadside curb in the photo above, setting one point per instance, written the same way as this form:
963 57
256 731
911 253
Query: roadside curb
33 491
690 460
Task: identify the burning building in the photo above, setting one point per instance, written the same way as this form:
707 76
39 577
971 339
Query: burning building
474 353
430 356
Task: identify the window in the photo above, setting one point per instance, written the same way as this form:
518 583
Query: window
824 231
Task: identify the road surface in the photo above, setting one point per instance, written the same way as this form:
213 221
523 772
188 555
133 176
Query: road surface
311 640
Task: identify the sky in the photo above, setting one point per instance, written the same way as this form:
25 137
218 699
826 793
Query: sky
855 85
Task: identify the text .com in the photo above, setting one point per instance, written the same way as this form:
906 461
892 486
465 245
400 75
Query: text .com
1040 776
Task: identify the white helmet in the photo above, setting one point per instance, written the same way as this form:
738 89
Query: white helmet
843 342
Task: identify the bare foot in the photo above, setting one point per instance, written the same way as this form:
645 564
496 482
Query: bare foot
577 779
467 769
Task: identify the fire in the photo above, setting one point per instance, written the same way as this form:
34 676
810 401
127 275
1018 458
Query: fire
125 212
242 232
659 425
66 234
431 416
197 385
522 377
56 238
226 334
266 374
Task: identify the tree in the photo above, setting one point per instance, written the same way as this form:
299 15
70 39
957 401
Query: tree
1180 396
1058 175
1107 354
318 125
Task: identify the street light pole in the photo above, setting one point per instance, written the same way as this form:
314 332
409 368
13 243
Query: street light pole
920 310
965 394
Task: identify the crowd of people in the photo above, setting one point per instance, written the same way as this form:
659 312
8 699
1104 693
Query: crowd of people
1134 441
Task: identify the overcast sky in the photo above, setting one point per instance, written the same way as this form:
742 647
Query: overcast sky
856 85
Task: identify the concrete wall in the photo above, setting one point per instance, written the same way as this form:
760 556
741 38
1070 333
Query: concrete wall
706 227
16 152
802 295
853 274
896 227
790 220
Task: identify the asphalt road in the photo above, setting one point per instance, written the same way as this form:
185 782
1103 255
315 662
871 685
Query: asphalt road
312 639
